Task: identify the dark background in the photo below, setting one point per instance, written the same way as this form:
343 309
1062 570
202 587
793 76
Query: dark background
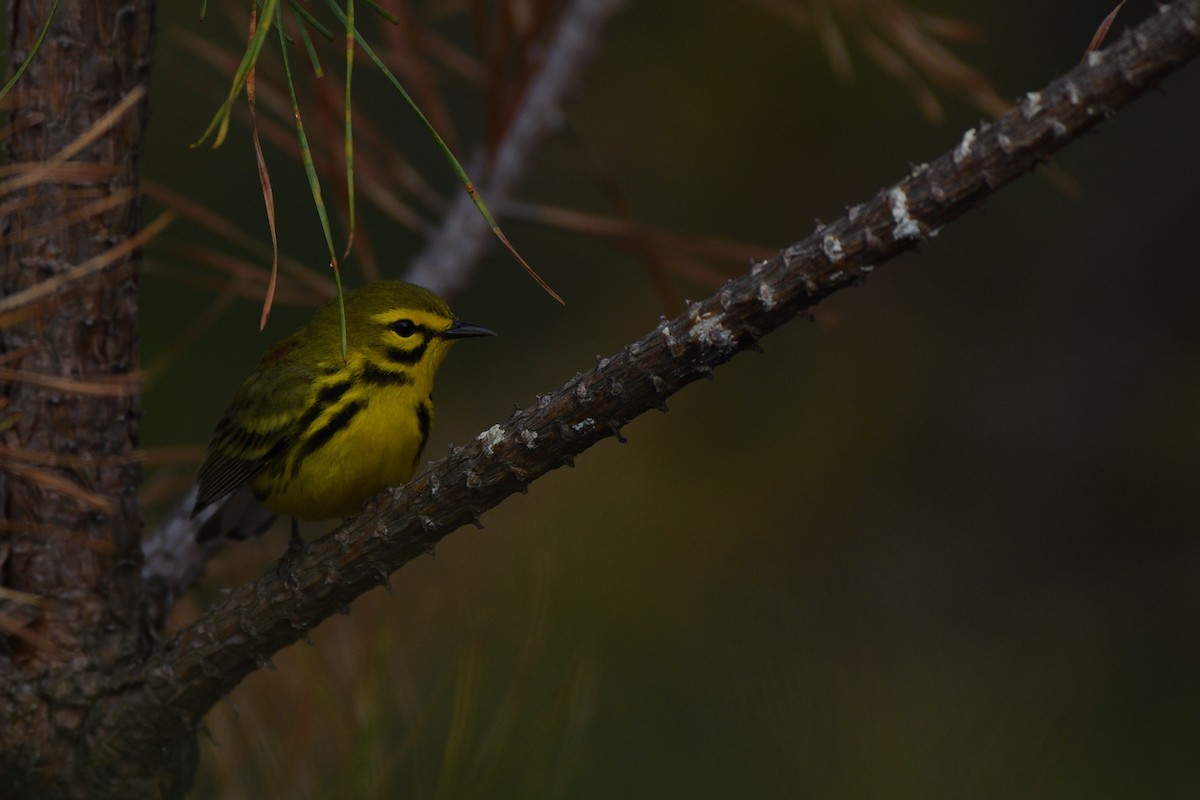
940 542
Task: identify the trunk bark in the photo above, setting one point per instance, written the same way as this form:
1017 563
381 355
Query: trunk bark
70 523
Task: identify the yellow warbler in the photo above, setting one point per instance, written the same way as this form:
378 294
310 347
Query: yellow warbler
310 435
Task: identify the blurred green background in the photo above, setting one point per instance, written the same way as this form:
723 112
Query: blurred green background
940 542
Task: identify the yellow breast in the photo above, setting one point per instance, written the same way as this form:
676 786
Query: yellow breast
366 442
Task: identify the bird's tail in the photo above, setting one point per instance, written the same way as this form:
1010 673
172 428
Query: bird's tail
237 516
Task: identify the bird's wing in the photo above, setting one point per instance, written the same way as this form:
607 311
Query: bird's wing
259 427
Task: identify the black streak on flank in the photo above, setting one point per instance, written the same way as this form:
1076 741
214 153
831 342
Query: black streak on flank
332 393
321 437
423 422
325 398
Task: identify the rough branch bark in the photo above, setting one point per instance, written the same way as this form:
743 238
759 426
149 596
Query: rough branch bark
207 659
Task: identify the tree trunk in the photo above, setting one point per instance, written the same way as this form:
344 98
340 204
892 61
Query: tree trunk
70 525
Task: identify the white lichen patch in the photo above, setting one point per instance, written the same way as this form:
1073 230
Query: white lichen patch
490 438
672 343
528 438
665 330
1072 93
906 226
1032 105
711 331
584 425
766 296
832 246
964 147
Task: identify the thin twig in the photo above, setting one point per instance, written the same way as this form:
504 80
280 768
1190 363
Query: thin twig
447 264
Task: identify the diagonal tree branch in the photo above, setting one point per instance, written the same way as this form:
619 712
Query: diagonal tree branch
208 658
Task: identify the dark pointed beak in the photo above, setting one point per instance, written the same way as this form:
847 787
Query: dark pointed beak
465 330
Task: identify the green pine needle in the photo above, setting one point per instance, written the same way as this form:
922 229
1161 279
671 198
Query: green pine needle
37 45
314 183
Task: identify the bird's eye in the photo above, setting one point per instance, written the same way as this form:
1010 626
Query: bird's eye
404 327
